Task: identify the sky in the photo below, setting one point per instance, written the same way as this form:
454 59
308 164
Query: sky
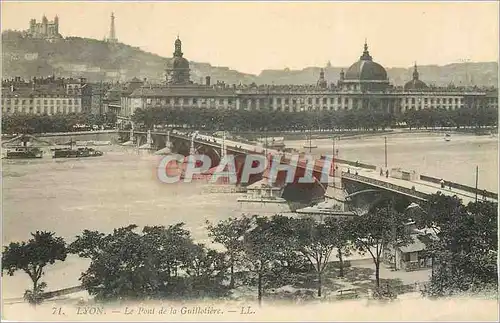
253 36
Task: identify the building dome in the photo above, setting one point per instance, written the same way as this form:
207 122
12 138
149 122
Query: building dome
415 84
177 70
366 69
177 62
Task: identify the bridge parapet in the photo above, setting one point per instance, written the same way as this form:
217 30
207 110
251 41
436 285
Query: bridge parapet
462 187
390 186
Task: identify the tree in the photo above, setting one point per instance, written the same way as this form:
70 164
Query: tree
316 242
229 233
265 248
380 226
32 257
340 228
154 263
88 245
439 209
466 252
207 269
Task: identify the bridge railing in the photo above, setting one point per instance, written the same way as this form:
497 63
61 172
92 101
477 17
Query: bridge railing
461 187
355 164
383 184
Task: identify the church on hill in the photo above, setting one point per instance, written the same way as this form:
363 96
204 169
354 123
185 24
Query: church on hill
45 29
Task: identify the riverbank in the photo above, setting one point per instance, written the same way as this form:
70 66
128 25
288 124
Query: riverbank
353 134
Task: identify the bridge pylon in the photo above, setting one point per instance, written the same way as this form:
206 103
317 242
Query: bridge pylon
192 149
168 144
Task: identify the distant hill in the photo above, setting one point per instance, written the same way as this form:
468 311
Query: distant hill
482 74
96 60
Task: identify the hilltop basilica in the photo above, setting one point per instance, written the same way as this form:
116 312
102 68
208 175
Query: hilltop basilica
48 30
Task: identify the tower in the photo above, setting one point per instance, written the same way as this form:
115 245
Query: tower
415 72
32 29
56 25
178 48
45 24
112 34
322 82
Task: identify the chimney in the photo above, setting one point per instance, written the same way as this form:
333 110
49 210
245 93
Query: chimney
207 80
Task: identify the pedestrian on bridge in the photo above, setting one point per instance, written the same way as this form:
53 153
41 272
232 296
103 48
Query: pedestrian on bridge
387 173
442 183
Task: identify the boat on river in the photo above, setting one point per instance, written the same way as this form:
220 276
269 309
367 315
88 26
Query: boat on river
447 137
24 147
24 152
76 153
70 152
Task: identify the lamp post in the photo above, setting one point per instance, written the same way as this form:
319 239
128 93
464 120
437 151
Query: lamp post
477 177
385 151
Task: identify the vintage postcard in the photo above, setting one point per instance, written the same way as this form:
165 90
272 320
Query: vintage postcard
249 161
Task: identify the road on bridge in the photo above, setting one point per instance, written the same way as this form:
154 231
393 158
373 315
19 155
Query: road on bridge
418 185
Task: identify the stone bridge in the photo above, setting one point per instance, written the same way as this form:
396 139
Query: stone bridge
356 179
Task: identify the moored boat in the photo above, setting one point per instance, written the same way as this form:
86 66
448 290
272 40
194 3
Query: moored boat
24 152
75 153
70 152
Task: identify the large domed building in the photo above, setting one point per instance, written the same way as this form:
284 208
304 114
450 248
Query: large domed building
363 86
364 75
177 71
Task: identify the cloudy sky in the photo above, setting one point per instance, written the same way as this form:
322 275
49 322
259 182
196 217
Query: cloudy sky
252 36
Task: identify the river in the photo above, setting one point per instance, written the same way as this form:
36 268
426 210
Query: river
121 188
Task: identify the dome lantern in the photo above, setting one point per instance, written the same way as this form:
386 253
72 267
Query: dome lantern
415 72
366 54
178 47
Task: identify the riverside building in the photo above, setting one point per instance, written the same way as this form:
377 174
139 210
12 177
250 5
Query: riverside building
363 86
46 96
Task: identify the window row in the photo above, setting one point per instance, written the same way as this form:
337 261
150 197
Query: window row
39 101
49 110
432 100
188 101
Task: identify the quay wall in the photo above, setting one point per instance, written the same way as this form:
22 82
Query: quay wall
62 292
58 138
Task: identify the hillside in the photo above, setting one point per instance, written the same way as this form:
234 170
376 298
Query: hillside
96 60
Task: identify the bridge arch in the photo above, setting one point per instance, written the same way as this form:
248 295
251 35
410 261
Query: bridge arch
211 152
181 147
306 193
159 141
141 139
